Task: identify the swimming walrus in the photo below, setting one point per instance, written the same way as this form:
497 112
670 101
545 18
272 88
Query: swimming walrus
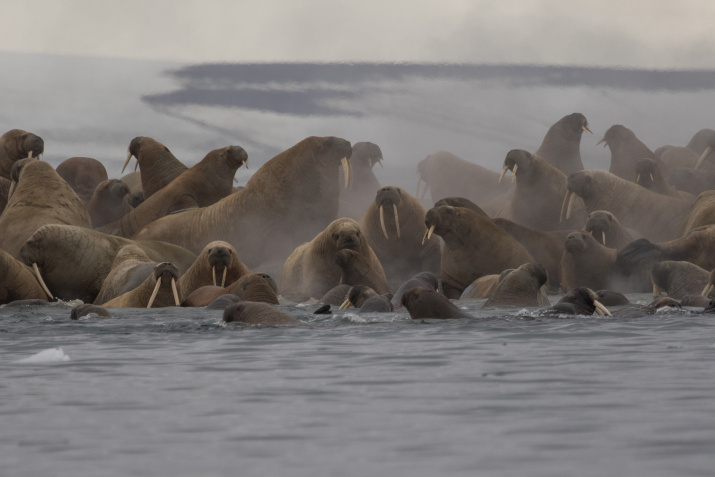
17 144
523 286
131 266
579 301
427 280
159 290
678 278
424 303
257 314
561 146
289 200
473 247
157 165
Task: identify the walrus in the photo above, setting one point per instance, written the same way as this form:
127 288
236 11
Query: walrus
545 247
17 144
655 216
109 202
222 302
691 180
157 165
707 157
427 280
539 193
424 303
74 261
336 295
204 184
83 174
255 287
612 298
376 304
607 230
133 180
482 286
678 278
28 208
4 192
17 281
650 176
357 295
203 296
289 200
702 213
447 175
626 151
131 266
473 247
676 157
217 264
579 301
257 314
393 226
357 196
311 270
460 202
159 290
86 309
521 287
561 146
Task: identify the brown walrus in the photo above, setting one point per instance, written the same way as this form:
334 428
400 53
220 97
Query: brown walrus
360 269
561 146
158 166
17 282
678 278
579 301
521 287
289 200
424 303
481 287
159 290
17 144
357 196
393 225
311 270
626 151
607 230
207 182
257 314
217 264
83 174
702 213
28 208
427 280
473 247
649 175
131 266
109 202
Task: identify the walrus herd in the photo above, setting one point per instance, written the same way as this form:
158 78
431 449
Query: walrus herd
317 218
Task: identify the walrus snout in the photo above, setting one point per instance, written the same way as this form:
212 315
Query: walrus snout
349 242
31 145
236 156
575 243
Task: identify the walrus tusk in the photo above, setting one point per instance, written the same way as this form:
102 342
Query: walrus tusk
563 205
570 206
42 282
346 171
638 178
602 141
382 223
503 173
603 236
599 312
428 234
154 293
29 155
379 161
350 165
419 180
602 308
245 163
397 220
12 188
223 279
708 288
424 192
651 177
127 162
213 274
585 128
346 304
700 162
513 172
656 290
176 292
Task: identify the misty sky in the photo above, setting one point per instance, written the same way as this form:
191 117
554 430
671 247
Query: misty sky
634 33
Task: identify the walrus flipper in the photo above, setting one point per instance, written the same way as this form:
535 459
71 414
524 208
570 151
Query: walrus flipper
636 252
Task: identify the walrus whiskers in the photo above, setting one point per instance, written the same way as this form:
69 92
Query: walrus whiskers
154 293
42 282
382 223
397 220
176 292
700 162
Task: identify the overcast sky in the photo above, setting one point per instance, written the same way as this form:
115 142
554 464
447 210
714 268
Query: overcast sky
632 33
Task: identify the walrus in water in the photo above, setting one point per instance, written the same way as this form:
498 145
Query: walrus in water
157 165
482 286
109 202
427 280
607 230
159 290
626 151
311 270
357 295
678 278
257 314
217 264
28 209
521 287
655 216
86 309
17 281
17 144
539 193
207 182
424 303
131 266
360 269
579 301
83 174
393 226
561 146
288 201
357 196
473 247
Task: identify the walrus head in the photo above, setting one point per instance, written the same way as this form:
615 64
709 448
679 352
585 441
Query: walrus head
366 153
615 135
577 242
579 183
112 191
30 254
446 220
220 255
136 144
518 160
165 274
574 125
598 224
646 172
357 295
583 301
389 198
345 233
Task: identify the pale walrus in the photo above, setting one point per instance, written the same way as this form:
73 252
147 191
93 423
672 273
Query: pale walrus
207 182
561 146
217 264
17 144
473 247
157 165
131 266
521 287
424 303
311 270
159 290
41 197
289 200
394 227
257 314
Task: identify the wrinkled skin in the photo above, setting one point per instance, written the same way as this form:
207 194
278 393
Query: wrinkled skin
133 180
202 185
158 166
404 255
626 151
561 146
423 303
679 278
520 287
17 282
361 269
702 212
603 225
288 201
17 144
473 247
74 261
356 199
83 174
140 296
131 266
109 202
27 209
257 314
208 269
